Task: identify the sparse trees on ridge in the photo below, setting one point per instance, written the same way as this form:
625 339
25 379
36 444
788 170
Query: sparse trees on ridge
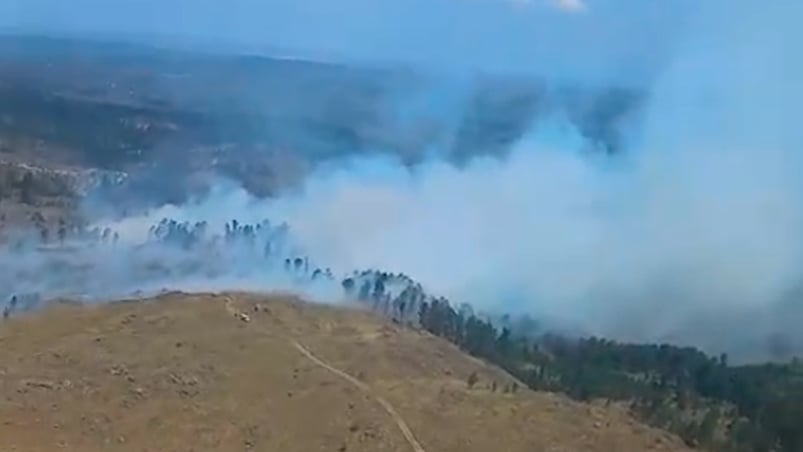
700 398
704 399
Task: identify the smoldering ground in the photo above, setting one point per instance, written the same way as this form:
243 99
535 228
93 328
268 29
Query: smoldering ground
691 234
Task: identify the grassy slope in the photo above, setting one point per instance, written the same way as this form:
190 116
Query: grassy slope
182 373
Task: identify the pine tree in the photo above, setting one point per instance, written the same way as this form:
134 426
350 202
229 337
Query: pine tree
472 380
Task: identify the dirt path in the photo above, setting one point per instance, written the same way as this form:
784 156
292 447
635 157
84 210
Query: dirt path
405 429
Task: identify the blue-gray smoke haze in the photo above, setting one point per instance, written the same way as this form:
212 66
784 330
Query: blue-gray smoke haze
693 235
611 39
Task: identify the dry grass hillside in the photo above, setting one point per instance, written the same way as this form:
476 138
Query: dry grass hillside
236 372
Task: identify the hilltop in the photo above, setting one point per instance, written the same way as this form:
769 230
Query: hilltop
272 373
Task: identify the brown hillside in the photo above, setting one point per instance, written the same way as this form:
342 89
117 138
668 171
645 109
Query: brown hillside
244 372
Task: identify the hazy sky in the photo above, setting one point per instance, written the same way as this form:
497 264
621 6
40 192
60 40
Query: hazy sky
620 36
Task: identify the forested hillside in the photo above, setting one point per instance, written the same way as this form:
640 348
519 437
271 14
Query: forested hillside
702 398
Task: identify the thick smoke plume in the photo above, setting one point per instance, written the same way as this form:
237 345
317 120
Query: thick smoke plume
692 234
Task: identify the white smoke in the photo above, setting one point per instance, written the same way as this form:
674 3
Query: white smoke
693 236
572 6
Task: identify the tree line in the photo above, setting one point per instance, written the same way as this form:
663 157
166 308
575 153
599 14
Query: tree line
704 399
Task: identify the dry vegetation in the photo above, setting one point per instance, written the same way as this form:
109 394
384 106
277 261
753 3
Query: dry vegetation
221 372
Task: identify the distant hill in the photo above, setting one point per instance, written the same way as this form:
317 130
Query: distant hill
131 107
245 372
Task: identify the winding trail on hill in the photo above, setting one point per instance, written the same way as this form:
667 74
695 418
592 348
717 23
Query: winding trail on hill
405 429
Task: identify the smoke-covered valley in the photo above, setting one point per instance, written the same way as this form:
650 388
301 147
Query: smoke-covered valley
664 210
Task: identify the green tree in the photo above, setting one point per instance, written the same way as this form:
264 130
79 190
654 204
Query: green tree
472 380
26 187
